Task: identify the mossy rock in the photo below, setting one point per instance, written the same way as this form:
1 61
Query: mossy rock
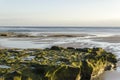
55 63
70 48
64 73
86 71
56 48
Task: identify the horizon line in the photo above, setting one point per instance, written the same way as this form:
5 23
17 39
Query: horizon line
53 26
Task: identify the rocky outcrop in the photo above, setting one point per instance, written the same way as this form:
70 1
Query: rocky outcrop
56 63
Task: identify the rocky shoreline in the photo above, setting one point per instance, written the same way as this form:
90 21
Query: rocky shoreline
55 63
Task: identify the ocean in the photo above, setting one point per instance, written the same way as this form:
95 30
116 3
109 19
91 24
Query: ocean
60 29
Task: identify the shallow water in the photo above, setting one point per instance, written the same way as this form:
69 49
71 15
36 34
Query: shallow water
4 66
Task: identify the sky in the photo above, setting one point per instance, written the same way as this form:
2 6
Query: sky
59 12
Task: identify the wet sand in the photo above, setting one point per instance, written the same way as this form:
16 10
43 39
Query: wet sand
111 75
111 39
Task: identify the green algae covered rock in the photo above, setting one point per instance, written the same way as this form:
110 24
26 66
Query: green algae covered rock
63 73
55 63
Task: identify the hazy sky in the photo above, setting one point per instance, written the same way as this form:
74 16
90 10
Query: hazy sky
60 12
